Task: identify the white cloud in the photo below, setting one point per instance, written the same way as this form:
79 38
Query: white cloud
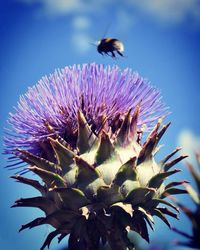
124 13
61 7
58 7
81 22
80 37
81 41
190 143
169 10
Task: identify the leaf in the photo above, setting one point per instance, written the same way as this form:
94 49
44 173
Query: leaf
43 203
64 155
125 206
126 172
30 182
62 217
166 203
147 216
175 183
139 196
122 138
34 223
51 179
160 215
167 211
86 137
157 180
105 149
37 161
163 161
139 225
109 195
72 194
49 238
171 163
171 191
88 178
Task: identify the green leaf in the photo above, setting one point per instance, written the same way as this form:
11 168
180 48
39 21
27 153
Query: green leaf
88 178
86 137
160 215
139 225
123 134
157 180
166 158
30 182
61 217
118 238
175 183
109 195
73 198
37 161
172 191
166 203
105 150
139 196
166 211
146 152
171 163
49 238
51 179
124 206
126 172
34 223
43 203
147 216
64 155
134 121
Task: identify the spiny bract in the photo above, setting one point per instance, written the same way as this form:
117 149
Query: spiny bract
81 132
193 239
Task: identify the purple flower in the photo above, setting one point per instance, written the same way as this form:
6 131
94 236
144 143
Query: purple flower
97 90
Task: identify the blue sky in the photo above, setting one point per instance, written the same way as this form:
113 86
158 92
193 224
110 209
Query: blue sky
162 43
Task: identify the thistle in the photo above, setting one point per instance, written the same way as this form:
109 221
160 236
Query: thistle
193 240
81 131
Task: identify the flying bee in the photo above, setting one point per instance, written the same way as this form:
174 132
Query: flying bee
110 45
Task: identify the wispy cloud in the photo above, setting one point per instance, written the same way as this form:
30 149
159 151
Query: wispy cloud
81 41
81 22
57 7
168 11
80 36
123 15
190 143
61 7
172 11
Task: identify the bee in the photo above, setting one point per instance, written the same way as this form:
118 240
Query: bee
110 45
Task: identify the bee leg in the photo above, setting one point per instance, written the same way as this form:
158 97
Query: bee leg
107 53
113 54
120 53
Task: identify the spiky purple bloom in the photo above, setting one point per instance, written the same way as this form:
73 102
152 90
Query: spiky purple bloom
97 90
80 130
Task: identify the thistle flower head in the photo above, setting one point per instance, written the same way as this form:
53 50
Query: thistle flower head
80 130
96 90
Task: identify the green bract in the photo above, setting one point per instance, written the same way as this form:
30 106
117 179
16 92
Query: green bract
105 186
